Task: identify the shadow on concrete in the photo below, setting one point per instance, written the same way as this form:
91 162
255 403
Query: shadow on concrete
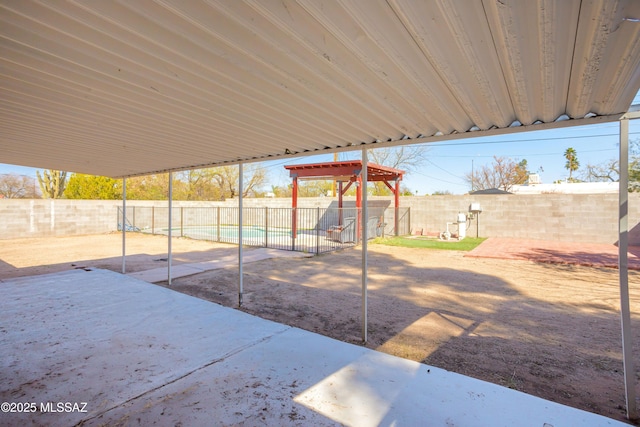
134 262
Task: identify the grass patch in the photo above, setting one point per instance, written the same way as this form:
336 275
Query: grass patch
466 244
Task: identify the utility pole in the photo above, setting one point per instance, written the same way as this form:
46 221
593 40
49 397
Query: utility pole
473 177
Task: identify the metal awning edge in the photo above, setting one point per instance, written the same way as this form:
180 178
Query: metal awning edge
634 112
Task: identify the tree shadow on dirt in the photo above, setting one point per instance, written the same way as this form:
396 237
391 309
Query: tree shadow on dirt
475 324
583 258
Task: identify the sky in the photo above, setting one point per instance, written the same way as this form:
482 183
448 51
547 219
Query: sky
446 163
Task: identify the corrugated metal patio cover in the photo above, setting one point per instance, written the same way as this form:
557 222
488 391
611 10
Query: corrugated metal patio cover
135 87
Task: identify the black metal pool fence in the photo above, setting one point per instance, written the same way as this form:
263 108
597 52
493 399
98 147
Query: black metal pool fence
312 230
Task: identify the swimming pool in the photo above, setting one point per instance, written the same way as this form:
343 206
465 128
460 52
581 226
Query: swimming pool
228 232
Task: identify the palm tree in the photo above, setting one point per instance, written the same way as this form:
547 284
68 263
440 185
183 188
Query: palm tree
572 161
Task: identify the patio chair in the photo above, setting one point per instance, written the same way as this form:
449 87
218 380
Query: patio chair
372 227
343 233
375 226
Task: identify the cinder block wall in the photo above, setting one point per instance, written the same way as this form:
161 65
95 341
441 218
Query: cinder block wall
39 218
589 218
565 217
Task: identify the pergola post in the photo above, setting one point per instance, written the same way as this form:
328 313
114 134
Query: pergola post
623 269
396 207
124 220
365 239
359 219
294 206
169 254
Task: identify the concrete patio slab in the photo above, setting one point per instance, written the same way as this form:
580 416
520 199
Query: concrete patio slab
138 354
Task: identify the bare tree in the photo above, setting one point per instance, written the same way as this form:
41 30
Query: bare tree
503 173
607 171
408 158
227 179
14 186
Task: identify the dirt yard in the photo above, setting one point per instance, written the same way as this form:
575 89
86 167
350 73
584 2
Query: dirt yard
548 330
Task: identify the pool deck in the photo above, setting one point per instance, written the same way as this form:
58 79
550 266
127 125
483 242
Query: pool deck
555 252
140 354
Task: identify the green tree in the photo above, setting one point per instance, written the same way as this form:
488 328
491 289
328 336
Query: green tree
52 183
634 165
314 188
572 163
148 187
197 184
81 186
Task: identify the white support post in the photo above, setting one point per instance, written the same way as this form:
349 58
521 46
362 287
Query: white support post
124 221
170 225
365 239
240 218
623 268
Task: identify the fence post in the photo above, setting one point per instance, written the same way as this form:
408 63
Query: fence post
153 220
317 230
181 221
294 220
218 225
266 227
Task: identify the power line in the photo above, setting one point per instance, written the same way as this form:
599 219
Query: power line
443 169
443 144
438 179
526 155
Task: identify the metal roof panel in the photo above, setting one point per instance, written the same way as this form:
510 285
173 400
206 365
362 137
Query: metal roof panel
130 88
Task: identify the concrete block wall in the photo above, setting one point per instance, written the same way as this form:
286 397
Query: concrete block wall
589 218
39 217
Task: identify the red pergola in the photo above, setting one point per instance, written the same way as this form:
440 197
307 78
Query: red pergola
348 172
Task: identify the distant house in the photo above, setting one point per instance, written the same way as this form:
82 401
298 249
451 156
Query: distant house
567 188
490 191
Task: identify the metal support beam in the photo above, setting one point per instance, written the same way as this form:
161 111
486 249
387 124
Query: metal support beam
365 239
240 218
124 221
170 225
623 268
